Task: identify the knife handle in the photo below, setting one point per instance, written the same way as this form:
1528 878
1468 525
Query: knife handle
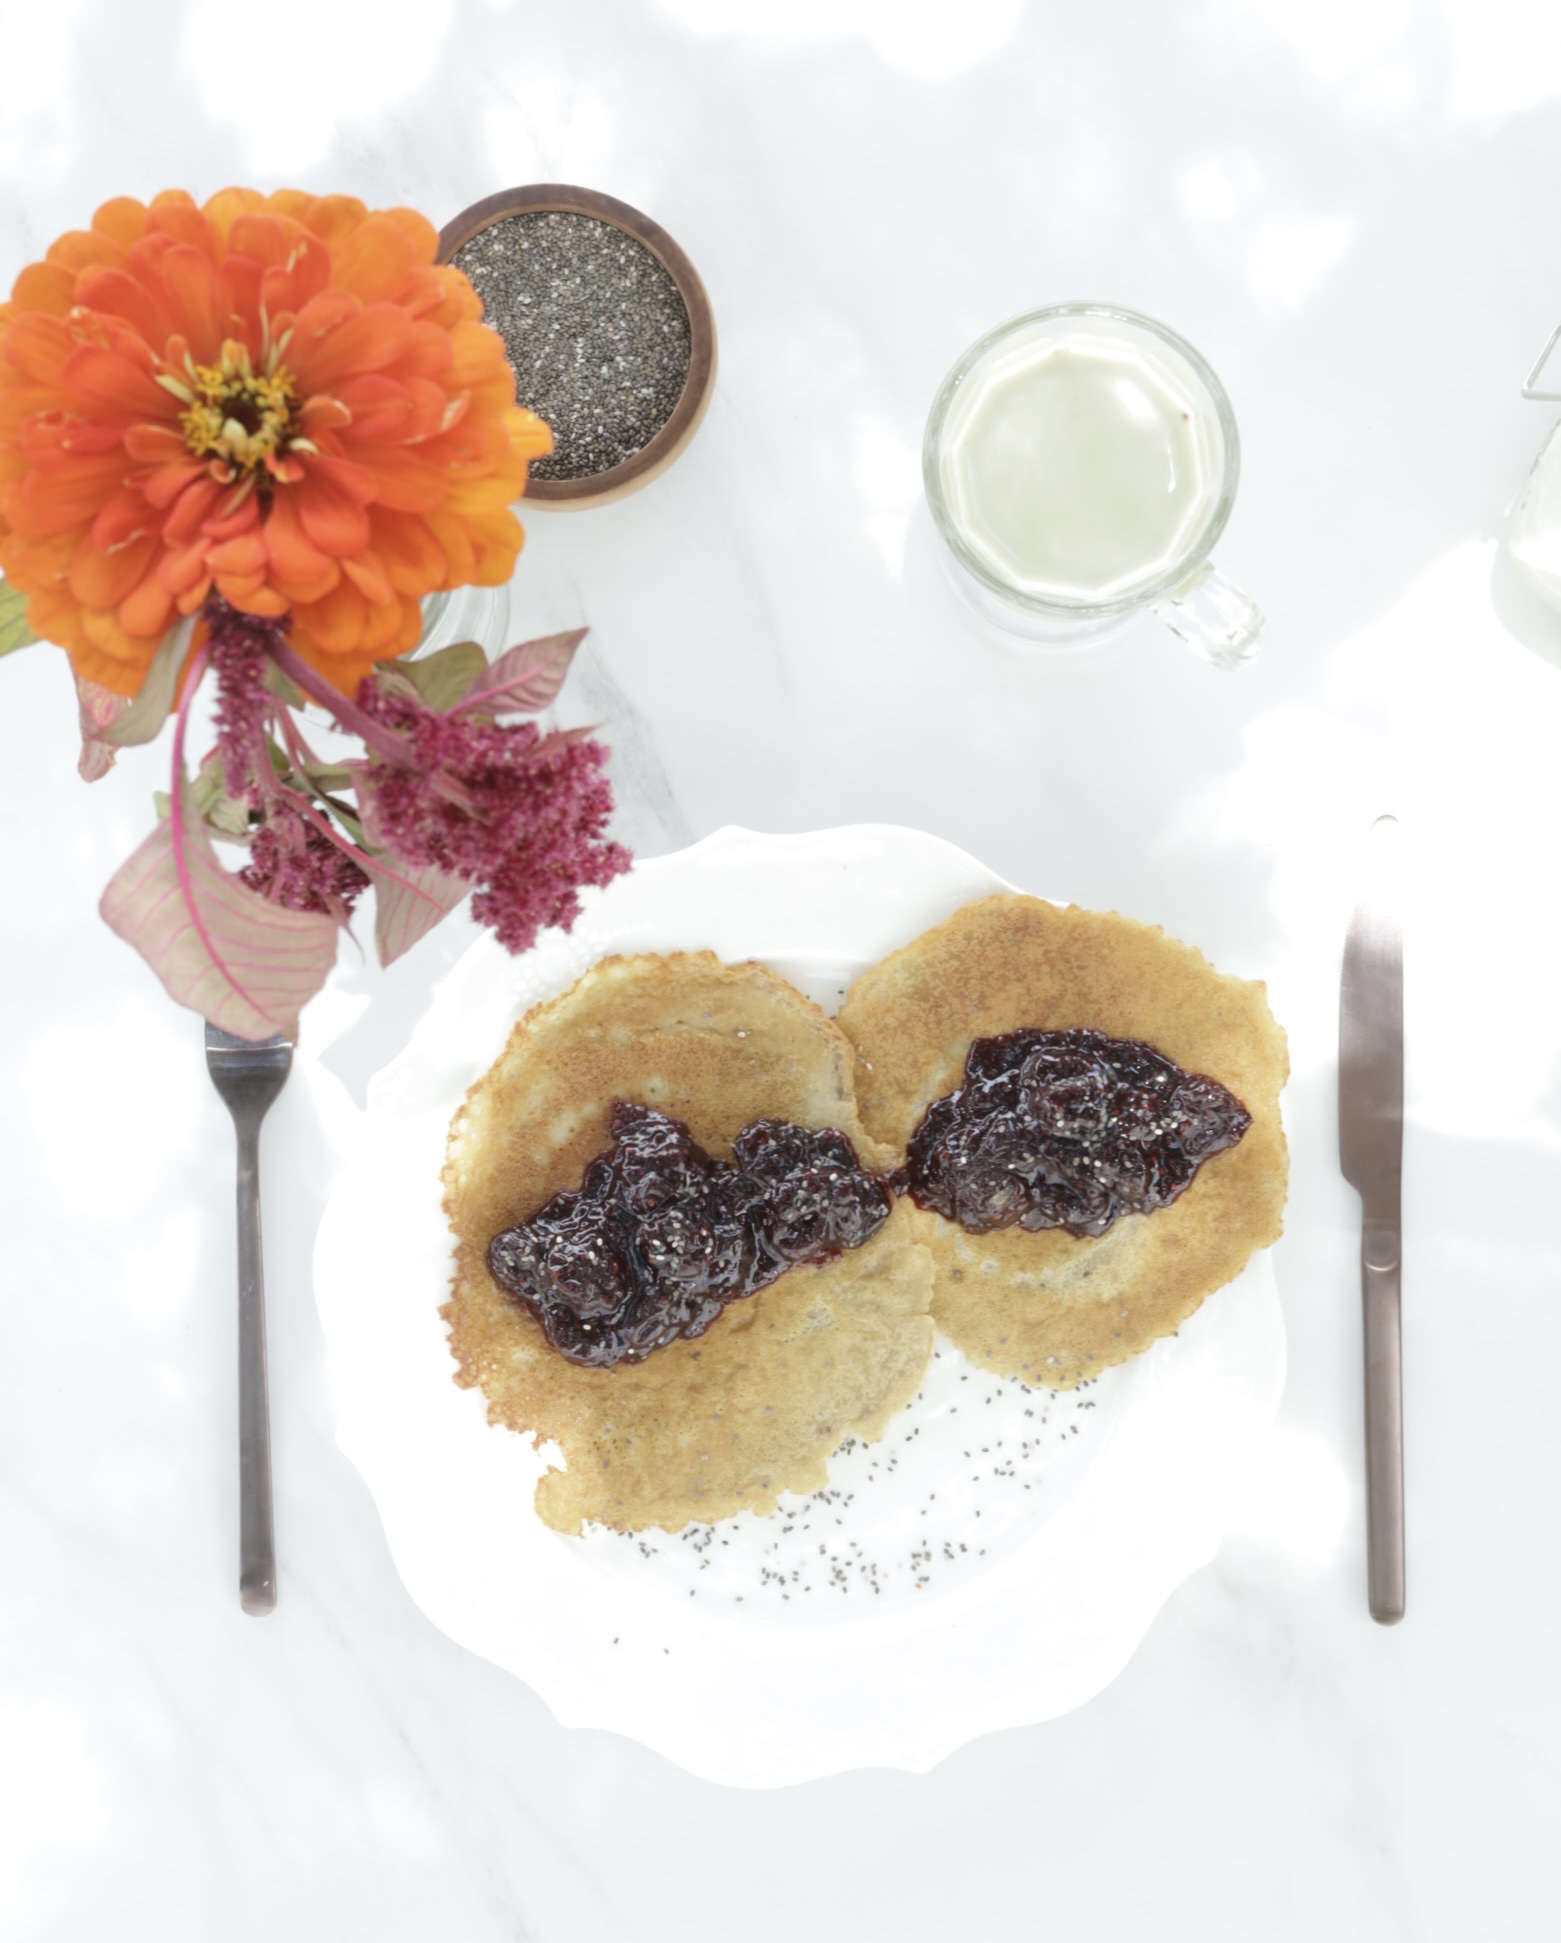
1379 1265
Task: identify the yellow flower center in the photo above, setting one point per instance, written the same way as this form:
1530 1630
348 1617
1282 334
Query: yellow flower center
237 415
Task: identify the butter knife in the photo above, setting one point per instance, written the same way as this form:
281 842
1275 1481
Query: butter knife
1371 1144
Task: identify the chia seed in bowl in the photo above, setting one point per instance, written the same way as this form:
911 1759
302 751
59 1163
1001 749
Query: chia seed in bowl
606 326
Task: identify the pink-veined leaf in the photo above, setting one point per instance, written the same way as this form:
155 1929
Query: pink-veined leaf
523 680
409 899
98 708
220 948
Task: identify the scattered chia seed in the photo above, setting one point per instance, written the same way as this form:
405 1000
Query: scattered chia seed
594 329
893 1522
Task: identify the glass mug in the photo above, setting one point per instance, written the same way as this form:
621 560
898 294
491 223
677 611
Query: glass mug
1080 462
470 613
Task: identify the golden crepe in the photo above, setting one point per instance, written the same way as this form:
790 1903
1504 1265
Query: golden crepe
1049 1307
714 1424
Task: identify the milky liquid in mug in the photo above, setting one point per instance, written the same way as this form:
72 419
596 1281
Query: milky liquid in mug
1081 466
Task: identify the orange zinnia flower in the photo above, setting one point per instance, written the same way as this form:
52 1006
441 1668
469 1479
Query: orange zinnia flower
281 399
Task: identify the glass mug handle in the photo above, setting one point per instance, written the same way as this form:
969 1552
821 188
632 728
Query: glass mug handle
1214 617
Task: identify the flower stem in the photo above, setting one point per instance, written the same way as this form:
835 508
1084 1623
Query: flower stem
356 721
177 832
297 748
327 828
192 681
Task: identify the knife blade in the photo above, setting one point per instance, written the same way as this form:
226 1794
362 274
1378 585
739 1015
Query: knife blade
1371 1146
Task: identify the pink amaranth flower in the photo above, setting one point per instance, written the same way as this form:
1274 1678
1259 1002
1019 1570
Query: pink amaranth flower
519 814
296 865
241 647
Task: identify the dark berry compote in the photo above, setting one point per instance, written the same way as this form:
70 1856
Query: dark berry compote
660 1236
1066 1130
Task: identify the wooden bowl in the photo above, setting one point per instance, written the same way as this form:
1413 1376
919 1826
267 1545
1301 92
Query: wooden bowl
596 488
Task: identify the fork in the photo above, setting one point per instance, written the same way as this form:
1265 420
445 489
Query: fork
248 1075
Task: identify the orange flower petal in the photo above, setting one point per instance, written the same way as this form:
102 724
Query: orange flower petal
528 435
260 235
334 520
405 479
292 553
253 595
307 273
376 260
241 557
477 353
429 356
52 439
455 538
121 519
322 414
147 609
174 214
335 625
190 280
414 559
122 295
107 633
110 671
331 218
78 249
100 578
368 575
181 570
195 505
45 503
220 212
376 407
369 341
458 298
38 346
358 481
154 444
122 220
240 281
238 512
298 590
44 286
110 381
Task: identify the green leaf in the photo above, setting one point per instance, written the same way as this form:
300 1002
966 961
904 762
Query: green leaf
347 819
14 631
148 712
329 775
444 676
283 686
226 814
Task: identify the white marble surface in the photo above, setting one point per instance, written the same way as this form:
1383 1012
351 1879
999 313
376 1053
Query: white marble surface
1346 208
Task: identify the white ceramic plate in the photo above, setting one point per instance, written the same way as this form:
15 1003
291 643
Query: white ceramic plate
993 1561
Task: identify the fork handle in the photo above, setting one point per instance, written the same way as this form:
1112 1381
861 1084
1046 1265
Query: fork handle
257 1545
1380 1270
